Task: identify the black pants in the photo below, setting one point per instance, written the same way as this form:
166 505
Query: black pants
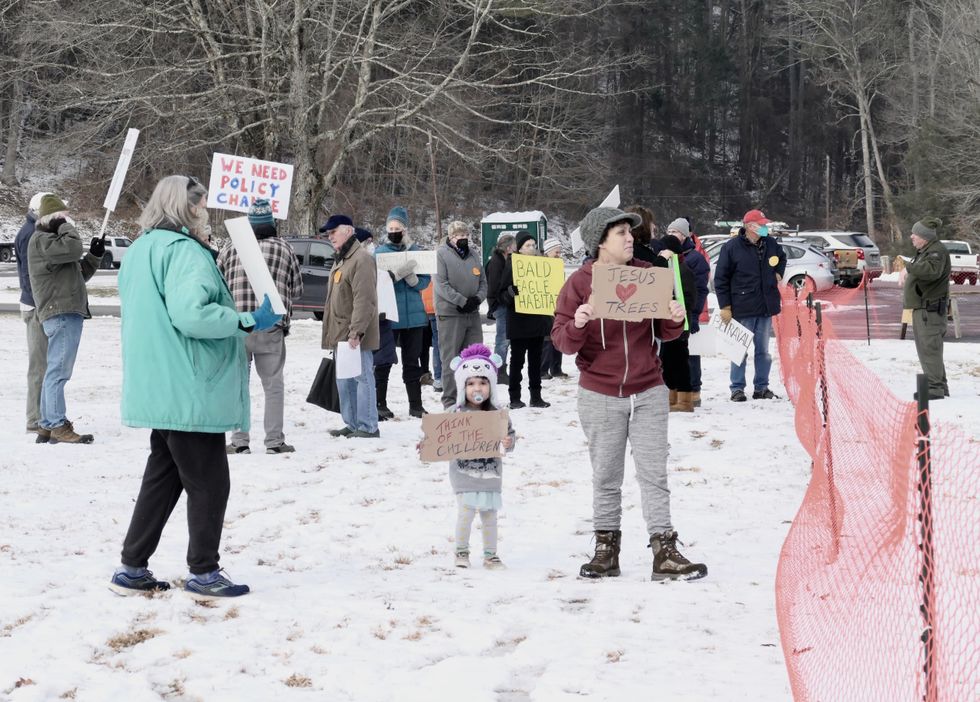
426 351
677 371
550 357
410 342
181 460
531 348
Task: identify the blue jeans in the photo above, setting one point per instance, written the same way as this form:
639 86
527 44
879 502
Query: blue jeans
761 328
359 397
501 343
436 359
64 331
694 365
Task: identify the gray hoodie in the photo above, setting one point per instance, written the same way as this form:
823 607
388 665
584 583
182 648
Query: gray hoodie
479 474
456 280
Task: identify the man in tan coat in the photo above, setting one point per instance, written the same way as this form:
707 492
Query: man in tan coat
350 316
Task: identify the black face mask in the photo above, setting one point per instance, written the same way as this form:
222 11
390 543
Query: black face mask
396 237
463 246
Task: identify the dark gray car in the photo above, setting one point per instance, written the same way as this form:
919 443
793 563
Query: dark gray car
315 258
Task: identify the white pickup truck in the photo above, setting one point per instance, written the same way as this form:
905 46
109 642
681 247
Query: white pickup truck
966 264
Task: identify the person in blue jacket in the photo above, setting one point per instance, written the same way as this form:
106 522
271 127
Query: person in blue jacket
747 277
185 378
409 330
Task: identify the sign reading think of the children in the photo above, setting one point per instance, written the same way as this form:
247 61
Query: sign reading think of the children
236 182
630 293
456 435
538 280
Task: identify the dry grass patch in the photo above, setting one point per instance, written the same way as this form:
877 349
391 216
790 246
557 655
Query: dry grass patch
296 680
132 638
614 656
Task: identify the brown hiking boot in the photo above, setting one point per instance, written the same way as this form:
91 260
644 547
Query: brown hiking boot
605 562
671 398
43 436
669 563
65 434
685 402
696 398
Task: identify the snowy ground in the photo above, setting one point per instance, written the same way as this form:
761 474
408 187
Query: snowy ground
347 546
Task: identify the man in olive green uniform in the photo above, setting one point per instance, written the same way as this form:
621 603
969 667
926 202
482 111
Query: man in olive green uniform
927 295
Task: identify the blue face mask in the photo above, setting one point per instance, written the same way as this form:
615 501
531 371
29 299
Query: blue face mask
763 230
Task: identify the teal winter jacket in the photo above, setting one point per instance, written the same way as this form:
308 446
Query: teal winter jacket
411 309
183 350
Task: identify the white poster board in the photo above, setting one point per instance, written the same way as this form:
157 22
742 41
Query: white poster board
702 343
115 187
612 200
236 182
425 261
348 361
256 269
387 305
732 340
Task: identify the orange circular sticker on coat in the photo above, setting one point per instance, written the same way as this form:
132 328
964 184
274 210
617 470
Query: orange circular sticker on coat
774 261
336 276
476 271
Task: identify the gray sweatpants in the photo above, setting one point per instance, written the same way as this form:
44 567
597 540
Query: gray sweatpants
608 422
455 334
267 351
37 364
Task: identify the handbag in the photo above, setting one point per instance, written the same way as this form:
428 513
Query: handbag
323 392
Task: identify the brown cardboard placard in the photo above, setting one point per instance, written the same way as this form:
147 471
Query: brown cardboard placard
630 293
847 258
455 435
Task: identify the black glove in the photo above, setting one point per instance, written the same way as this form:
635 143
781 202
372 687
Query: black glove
97 247
490 316
514 290
55 224
472 303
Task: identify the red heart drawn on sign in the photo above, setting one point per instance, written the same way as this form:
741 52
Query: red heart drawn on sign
625 292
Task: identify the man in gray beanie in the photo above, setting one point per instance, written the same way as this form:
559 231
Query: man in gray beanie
926 293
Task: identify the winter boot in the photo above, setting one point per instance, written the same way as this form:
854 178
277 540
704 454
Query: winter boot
684 403
605 562
381 386
426 379
696 398
536 400
65 434
672 398
669 563
502 377
415 408
462 559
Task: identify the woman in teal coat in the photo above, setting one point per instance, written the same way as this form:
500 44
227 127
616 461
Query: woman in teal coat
185 378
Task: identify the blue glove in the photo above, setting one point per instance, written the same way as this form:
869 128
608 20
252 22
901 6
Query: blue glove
264 317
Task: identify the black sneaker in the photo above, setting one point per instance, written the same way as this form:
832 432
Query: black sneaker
344 431
560 374
738 396
416 412
546 376
538 402
281 448
231 449
123 583
359 434
517 404
384 414
669 563
766 394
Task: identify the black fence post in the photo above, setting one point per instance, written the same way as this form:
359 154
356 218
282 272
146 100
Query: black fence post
867 312
927 576
827 442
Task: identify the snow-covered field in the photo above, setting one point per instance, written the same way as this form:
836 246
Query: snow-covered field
347 546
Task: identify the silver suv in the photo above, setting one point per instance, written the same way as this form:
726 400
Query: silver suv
868 254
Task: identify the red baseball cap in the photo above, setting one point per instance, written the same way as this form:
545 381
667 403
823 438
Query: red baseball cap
755 216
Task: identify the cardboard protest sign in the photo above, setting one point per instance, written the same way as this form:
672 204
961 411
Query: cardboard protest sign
425 261
630 293
732 340
256 269
847 258
236 182
538 280
454 435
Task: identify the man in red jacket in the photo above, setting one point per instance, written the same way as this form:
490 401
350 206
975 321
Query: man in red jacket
621 397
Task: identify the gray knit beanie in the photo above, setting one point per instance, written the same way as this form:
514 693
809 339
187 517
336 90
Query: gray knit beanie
681 225
594 226
927 228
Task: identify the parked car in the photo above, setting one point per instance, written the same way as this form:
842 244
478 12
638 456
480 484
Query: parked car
803 263
966 264
115 249
315 257
868 254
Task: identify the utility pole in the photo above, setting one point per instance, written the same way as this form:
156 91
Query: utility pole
826 222
435 191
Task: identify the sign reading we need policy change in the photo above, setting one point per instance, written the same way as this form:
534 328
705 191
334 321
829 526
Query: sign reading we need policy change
538 280
630 293
236 182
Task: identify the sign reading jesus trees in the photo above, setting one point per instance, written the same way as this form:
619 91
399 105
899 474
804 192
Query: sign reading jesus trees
630 293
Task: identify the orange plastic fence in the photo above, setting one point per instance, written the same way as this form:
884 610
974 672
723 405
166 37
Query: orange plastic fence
878 584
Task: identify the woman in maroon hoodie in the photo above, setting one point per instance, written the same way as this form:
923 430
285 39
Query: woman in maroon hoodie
622 397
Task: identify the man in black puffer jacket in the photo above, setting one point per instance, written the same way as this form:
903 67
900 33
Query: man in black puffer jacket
747 277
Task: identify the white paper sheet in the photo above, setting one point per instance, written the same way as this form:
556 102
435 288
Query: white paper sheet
425 261
703 343
387 304
256 270
348 360
732 340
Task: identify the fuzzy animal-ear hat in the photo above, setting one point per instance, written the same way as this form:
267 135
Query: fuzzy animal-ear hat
476 361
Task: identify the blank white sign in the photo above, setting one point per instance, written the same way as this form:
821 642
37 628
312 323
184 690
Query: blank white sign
256 269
